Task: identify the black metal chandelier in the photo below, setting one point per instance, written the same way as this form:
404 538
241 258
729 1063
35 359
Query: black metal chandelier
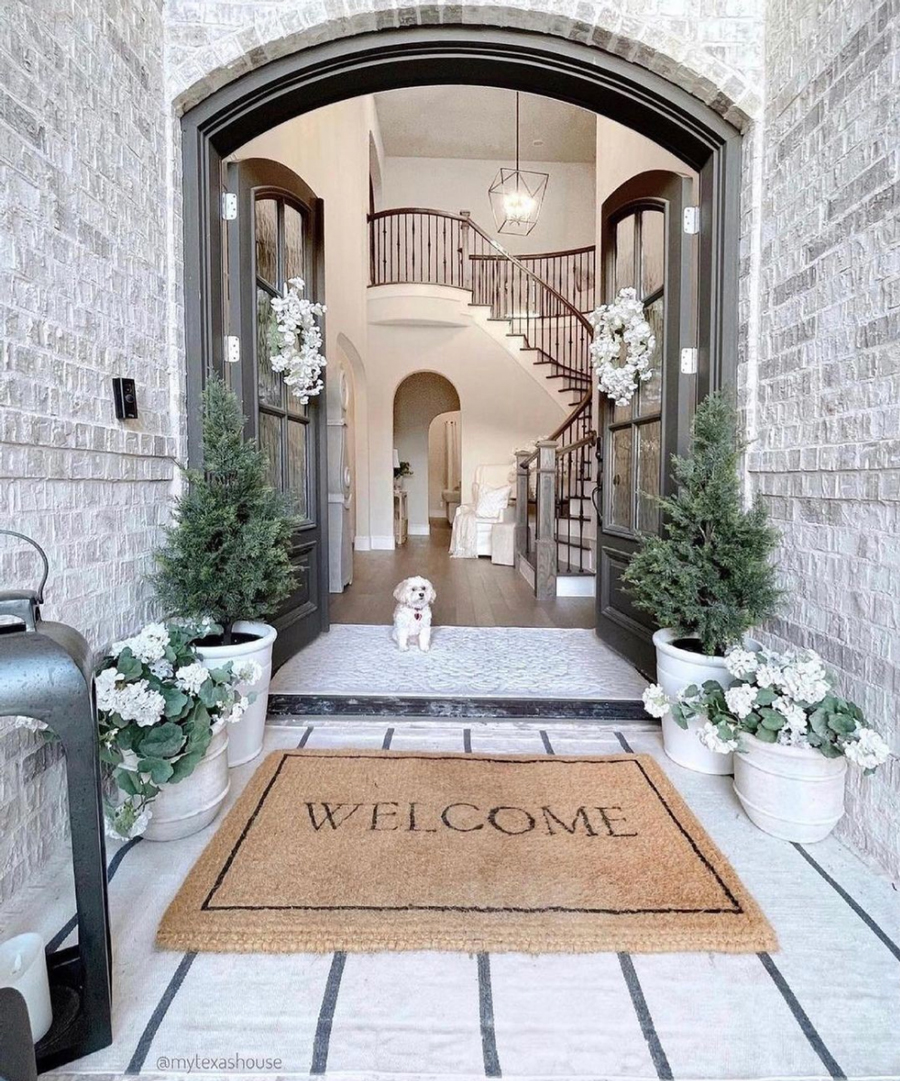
517 195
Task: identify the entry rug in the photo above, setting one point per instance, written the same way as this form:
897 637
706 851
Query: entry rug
358 851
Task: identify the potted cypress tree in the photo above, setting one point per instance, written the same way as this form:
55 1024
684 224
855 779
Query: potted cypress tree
707 579
226 559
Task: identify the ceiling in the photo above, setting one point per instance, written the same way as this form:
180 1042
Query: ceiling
478 122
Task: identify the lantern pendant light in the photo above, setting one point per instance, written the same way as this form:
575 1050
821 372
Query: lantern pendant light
517 195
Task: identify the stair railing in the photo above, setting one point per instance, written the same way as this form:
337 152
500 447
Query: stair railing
419 245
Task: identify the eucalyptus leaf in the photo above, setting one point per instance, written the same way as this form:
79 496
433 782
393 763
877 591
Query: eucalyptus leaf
162 741
159 769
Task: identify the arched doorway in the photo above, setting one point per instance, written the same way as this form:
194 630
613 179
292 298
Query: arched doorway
418 400
571 72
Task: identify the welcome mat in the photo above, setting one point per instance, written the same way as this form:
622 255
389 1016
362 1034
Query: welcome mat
356 850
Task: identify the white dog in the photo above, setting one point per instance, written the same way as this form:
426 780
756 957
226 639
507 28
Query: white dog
412 616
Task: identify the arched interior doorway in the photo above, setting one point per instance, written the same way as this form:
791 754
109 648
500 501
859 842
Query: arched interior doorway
418 401
421 56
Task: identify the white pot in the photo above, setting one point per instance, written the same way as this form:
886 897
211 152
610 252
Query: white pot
245 738
190 805
794 793
676 669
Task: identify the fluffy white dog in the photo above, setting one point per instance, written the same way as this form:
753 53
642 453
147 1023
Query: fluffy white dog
412 616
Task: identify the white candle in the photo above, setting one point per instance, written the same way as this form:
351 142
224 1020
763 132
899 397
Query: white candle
23 965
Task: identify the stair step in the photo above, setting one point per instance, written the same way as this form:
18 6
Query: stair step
575 557
574 542
572 571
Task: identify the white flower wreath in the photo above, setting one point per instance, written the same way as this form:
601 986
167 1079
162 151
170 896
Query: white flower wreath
622 323
298 338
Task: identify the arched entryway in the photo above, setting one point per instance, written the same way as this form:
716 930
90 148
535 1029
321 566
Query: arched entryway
566 70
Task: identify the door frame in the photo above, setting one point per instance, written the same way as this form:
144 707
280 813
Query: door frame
473 55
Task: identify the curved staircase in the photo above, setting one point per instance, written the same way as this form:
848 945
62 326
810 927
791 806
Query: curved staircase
541 301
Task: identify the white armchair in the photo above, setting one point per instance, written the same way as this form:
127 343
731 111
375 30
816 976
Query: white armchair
471 535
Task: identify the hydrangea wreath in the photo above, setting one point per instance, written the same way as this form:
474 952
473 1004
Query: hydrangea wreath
784 698
157 704
621 327
296 341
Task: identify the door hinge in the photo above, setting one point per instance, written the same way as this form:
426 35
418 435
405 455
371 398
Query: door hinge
229 206
692 219
232 348
688 361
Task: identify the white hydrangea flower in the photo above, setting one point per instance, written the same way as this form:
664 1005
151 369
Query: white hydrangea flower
656 701
709 736
132 701
741 663
868 750
803 678
741 699
794 715
247 671
191 677
299 338
768 675
621 324
238 709
125 824
148 646
162 669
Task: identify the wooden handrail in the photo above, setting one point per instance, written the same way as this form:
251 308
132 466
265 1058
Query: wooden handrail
568 448
580 316
546 254
574 415
502 252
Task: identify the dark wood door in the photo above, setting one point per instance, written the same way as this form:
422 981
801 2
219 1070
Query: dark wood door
278 235
644 246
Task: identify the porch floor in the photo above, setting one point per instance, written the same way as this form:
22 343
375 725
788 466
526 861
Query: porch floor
496 662
826 1005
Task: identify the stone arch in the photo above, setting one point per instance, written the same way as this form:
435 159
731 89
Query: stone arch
644 41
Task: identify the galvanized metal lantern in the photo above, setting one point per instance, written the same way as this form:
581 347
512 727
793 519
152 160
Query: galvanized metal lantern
46 673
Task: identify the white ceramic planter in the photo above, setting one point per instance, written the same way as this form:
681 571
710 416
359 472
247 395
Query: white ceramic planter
190 805
676 669
794 793
245 738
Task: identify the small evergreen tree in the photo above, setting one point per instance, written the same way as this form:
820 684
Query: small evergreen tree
226 556
709 574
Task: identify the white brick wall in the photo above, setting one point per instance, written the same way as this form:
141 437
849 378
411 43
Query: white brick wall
90 288
827 406
83 297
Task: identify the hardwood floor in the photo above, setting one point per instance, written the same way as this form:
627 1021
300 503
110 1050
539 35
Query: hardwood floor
470 592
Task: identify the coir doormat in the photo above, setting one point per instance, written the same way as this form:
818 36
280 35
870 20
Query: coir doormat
356 850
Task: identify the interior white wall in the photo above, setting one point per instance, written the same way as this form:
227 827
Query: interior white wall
330 149
502 407
418 400
437 460
623 153
454 184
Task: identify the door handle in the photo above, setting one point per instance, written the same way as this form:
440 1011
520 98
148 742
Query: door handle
595 499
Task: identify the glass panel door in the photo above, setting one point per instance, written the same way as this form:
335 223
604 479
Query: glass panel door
642 248
282 420
277 236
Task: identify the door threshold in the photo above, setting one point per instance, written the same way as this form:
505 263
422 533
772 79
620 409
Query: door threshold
286 707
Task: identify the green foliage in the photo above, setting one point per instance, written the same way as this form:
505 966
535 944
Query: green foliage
227 555
709 574
161 747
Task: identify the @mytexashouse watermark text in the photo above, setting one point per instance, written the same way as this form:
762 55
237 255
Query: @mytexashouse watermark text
214 1063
